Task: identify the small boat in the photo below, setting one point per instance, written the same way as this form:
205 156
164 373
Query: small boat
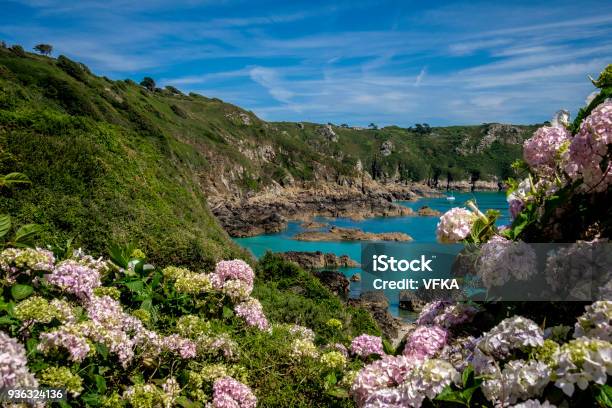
450 197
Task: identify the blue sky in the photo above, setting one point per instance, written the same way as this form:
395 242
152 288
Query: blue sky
351 62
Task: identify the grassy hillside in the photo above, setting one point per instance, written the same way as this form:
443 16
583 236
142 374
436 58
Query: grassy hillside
111 161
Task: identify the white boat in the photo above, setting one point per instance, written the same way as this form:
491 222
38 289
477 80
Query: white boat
450 197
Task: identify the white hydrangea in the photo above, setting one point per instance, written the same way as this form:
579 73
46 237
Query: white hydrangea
595 322
534 403
582 361
455 225
519 380
512 333
500 260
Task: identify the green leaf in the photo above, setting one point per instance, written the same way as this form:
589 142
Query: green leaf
135 286
467 376
14 178
450 395
388 347
5 224
185 402
31 345
26 233
331 378
91 399
338 392
102 350
604 398
227 312
147 304
100 383
19 291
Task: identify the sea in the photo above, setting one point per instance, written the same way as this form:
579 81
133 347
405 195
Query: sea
421 229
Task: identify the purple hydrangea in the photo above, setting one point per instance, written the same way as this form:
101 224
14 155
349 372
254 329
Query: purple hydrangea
236 269
75 278
229 393
455 225
366 345
13 369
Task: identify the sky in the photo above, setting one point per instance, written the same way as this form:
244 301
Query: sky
354 62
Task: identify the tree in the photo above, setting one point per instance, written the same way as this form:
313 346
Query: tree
344 125
148 83
44 49
373 126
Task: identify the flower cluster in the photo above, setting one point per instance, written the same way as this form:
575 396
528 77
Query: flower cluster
302 332
236 269
589 148
36 309
237 290
301 348
581 361
446 314
595 322
334 360
500 260
69 337
229 393
13 369
541 151
458 352
455 225
62 377
512 333
26 261
425 341
366 345
76 278
380 376
252 313
518 380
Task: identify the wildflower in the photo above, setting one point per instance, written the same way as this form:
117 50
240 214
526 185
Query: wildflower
62 377
455 225
13 364
252 312
425 342
366 345
334 324
229 393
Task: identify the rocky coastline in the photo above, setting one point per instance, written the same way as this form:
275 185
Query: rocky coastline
351 234
318 260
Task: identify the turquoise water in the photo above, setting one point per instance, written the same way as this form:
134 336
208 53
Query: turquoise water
421 229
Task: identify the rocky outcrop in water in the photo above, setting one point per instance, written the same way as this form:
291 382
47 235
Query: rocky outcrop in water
350 234
318 260
377 304
426 211
335 281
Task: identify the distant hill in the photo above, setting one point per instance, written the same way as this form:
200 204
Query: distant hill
112 161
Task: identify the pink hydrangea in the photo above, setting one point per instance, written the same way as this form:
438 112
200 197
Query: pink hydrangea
541 150
184 347
252 312
236 269
65 337
366 345
431 310
388 372
425 342
589 148
455 225
229 393
75 278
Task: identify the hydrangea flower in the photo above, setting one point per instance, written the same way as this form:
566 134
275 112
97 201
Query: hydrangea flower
425 342
534 403
595 322
589 148
541 151
334 360
519 380
366 345
75 278
184 347
301 348
62 377
13 364
229 393
455 225
193 283
500 260
517 198
430 311
229 270
237 290
582 361
252 313
386 373
14 261
302 332
459 352
36 309
512 333
455 315
69 337
339 347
